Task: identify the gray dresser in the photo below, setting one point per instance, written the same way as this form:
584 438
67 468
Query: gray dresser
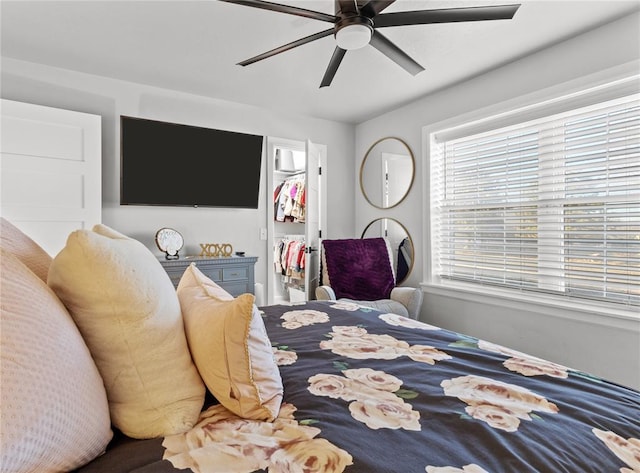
235 274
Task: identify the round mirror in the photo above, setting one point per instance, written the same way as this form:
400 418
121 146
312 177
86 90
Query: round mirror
387 172
400 242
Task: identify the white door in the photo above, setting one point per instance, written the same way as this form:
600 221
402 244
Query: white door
312 220
397 174
50 166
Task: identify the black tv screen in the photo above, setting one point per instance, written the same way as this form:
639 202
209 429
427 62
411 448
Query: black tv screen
182 165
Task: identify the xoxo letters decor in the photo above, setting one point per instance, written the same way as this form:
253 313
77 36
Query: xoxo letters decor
215 249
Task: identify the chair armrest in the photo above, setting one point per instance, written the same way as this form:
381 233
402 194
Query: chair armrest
325 293
410 297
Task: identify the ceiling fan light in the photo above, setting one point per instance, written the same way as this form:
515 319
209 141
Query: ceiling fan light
353 36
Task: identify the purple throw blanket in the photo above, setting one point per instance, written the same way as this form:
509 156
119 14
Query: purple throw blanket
359 268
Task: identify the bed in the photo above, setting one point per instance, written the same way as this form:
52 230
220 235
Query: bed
373 392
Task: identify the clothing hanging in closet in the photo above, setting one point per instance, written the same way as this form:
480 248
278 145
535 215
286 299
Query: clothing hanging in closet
289 258
289 199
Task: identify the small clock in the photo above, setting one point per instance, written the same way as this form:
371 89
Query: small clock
170 241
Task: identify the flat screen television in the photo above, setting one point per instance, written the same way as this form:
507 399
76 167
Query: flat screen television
172 164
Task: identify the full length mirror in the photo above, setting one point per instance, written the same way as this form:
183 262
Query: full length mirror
387 172
400 242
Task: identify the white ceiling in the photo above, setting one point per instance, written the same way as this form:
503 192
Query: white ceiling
194 46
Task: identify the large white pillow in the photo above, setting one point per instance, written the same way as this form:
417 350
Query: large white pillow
128 313
54 414
230 347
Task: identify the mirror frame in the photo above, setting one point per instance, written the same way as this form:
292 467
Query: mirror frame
413 171
413 259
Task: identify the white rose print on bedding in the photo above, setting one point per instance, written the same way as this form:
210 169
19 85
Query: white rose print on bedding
312 455
401 321
378 380
348 306
299 318
357 343
499 404
222 441
284 356
519 362
472 468
524 364
371 397
627 450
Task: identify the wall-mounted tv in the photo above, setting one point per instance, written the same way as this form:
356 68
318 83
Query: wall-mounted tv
182 165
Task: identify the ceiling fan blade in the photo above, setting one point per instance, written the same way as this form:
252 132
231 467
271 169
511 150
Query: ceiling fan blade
336 59
277 7
373 7
347 7
287 47
446 15
393 52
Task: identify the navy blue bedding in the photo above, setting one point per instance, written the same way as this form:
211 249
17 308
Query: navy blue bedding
367 392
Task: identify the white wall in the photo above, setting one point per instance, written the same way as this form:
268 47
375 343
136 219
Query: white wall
43 85
609 348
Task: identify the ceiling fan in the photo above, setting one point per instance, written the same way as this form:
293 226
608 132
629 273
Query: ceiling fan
356 23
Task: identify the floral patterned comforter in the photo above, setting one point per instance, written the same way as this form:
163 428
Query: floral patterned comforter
368 392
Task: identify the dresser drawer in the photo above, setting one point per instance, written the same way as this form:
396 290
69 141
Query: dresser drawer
234 274
236 288
215 274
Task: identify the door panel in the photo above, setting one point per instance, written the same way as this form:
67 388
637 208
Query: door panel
50 162
312 221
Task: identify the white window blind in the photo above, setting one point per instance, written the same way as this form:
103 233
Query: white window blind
550 205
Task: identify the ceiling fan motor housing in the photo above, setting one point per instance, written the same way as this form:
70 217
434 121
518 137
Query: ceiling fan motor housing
353 32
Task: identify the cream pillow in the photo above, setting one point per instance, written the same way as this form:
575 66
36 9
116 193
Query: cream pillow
127 310
24 248
230 347
54 414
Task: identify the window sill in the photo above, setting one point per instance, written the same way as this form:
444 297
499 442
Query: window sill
628 319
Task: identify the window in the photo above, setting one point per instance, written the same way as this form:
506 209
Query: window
550 205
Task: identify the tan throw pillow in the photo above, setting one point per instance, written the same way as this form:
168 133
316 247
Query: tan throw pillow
54 414
24 248
230 347
128 312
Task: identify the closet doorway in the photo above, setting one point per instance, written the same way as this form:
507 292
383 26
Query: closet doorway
296 218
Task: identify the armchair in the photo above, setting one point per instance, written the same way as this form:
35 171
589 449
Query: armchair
360 271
